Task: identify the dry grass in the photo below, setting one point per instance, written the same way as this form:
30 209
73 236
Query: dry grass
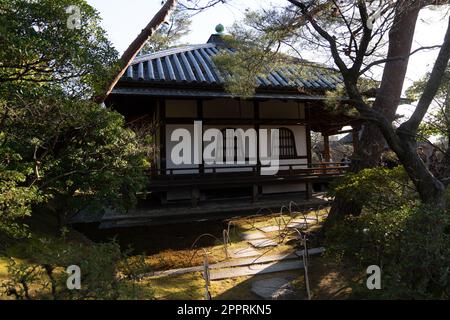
3 267
328 280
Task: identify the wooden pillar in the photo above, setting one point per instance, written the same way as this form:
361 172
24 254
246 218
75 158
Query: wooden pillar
309 190
201 167
257 128
164 198
162 135
255 193
162 143
326 148
195 197
308 133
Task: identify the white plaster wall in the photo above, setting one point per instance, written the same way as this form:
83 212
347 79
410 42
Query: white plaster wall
300 141
208 167
187 168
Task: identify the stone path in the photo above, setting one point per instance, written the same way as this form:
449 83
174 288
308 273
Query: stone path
255 269
244 253
263 243
270 229
257 259
254 235
273 289
298 225
303 219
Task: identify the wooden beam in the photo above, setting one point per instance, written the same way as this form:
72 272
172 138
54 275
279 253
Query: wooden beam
162 134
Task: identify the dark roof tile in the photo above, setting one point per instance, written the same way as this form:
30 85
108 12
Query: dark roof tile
195 64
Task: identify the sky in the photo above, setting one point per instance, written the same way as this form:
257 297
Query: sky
124 19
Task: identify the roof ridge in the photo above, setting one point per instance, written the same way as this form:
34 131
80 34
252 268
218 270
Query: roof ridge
171 51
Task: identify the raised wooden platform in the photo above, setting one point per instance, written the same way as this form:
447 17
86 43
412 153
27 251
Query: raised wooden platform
209 210
239 176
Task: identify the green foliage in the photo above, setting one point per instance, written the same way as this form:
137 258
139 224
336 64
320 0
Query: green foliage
410 244
409 241
38 47
21 277
102 268
377 189
256 43
15 202
74 152
58 149
134 266
266 41
170 33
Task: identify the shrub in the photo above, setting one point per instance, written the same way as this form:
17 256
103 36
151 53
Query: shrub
410 244
105 271
376 189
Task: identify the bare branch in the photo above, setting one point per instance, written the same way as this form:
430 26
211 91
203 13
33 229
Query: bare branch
411 126
382 61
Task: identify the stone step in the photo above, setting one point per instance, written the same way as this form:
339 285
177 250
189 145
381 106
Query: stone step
298 225
254 269
263 243
259 259
271 229
301 220
273 289
253 235
244 253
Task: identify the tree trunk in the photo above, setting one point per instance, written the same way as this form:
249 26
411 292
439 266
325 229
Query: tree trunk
444 171
371 141
136 46
430 189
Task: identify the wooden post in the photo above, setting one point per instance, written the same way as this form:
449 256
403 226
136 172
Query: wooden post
305 265
164 198
326 147
255 193
195 197
206 276
309 190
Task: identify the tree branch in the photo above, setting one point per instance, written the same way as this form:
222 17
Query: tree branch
136 46
333 46
411 126
381 61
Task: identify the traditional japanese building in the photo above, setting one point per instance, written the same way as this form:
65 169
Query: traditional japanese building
173 88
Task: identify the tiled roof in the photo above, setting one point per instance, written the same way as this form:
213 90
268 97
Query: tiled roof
195 93
194 65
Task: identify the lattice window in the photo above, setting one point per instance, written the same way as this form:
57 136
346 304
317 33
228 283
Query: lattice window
287 144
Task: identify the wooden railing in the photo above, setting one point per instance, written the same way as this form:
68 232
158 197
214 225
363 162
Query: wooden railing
291 170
